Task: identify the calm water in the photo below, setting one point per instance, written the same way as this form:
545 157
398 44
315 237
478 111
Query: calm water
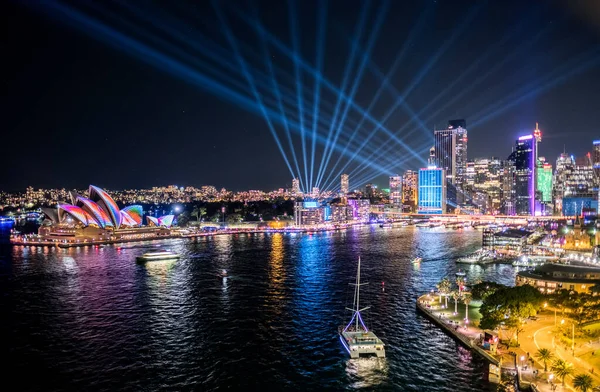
92 319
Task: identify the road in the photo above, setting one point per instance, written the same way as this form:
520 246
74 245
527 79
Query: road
538 334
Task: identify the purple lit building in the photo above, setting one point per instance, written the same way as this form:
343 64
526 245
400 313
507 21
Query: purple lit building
525 187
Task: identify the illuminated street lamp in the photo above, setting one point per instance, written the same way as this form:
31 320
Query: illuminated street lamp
522 361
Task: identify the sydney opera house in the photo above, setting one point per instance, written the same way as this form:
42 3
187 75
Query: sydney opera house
97 219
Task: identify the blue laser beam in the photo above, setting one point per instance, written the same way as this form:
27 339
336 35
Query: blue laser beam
361 68
295 47
397 61
319 63
347 71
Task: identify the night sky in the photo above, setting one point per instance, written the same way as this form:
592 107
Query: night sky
131 95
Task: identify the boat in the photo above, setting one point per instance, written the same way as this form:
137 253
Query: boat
386 225
356 337
460 273
479 257
417 260
157 255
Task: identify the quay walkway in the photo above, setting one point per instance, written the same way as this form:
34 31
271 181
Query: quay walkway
530 373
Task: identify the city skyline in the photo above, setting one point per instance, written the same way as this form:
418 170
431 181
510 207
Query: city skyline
157 126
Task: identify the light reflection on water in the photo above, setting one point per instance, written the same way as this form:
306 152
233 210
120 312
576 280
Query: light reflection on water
93 318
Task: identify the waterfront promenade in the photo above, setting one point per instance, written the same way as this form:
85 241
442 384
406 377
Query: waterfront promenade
536 334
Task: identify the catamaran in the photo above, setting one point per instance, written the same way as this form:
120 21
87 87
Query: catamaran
356 337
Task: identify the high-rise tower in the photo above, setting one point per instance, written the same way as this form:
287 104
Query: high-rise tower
525 184
451 151
410 186
396 190
295 187
344 184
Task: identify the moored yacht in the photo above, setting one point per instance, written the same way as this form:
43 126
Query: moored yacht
356 337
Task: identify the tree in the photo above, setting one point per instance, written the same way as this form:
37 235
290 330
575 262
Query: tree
456 296
483 289
562 369
544 355
444 288
234 218
516 303
466 300
583 382
198 212
516 325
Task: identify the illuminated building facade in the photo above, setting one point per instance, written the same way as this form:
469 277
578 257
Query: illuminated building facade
295 187
344 184
432 191
360 209
410 190
451 151
396 191
308 213
564 166
507 176
544 181
525 185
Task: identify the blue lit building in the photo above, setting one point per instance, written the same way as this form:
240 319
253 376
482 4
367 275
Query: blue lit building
577 206
432 191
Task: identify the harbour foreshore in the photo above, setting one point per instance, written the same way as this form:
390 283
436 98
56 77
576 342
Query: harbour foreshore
35 240
468 335
528 377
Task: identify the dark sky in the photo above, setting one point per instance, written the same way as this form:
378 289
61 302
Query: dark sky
140 95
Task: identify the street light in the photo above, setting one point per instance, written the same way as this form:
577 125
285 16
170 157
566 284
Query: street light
522 361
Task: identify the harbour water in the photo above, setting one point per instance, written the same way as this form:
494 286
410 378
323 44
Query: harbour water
92 319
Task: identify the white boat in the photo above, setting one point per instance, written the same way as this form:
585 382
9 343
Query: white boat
356 337
479 257
417 260
156 255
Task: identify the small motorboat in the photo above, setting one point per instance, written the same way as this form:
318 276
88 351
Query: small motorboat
157 255
417 260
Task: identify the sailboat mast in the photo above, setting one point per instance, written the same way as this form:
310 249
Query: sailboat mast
357 293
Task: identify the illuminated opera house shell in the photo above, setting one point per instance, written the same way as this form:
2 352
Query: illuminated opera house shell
98 210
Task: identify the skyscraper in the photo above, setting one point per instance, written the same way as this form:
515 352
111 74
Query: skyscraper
295 186
396 191
544 181
432 191
345 184
596 158
369 191
410 186
525 185
451 151
565 164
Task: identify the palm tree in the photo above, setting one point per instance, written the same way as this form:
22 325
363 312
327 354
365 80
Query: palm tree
466 300
544 355
562 369
456 296
444 289
582 382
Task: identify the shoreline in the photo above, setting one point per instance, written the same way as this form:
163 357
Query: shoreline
19 241
462 338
